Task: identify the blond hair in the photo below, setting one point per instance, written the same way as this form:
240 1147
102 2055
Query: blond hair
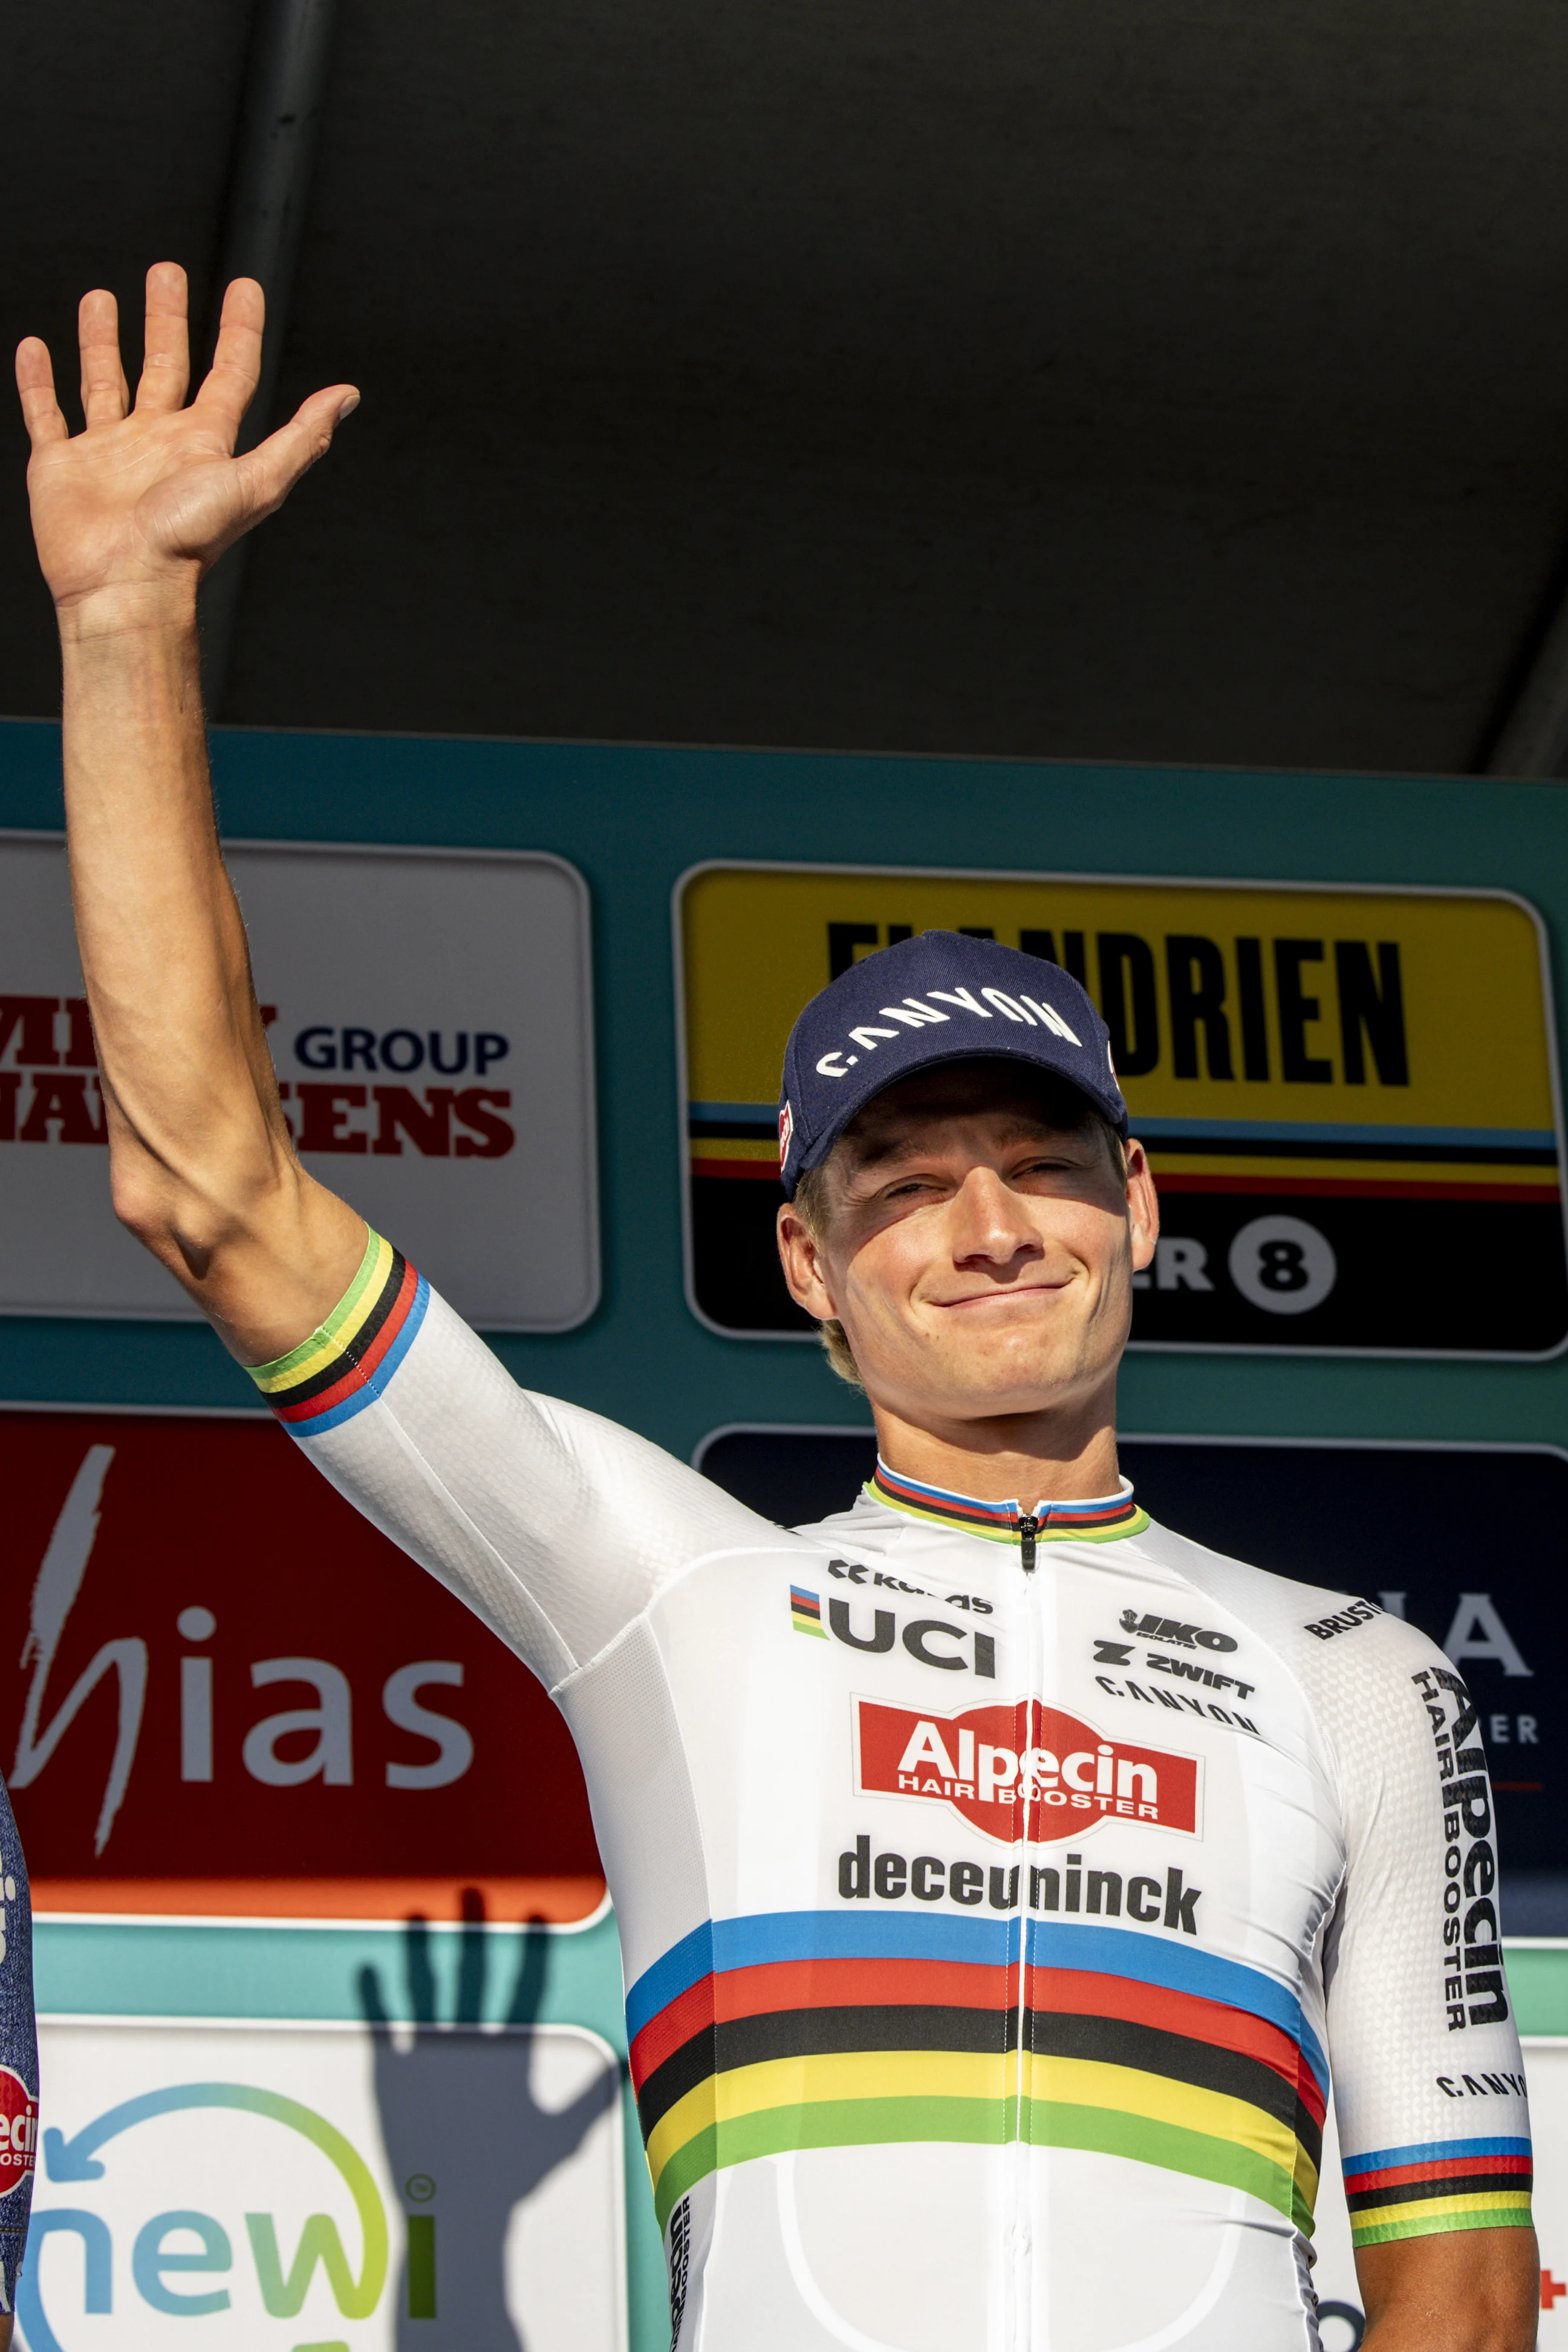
812 1206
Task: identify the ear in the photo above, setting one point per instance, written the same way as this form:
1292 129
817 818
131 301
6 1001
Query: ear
805 1271
1142 1207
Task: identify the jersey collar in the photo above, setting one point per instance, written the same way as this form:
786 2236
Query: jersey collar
1102 1520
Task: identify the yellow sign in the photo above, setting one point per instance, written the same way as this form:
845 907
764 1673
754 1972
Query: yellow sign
1367 1073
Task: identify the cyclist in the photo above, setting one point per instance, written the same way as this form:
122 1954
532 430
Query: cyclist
985 1949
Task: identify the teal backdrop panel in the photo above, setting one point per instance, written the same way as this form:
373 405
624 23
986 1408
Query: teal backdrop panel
633 819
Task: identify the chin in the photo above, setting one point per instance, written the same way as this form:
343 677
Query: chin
1003 1386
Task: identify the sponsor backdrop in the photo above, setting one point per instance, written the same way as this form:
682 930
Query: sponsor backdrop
268 1774
429 1016
1334 1087
237 1696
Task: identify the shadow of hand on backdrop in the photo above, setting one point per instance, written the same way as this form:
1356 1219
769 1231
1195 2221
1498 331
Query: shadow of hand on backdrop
461 2124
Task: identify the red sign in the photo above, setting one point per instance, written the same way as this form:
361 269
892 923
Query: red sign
18 2131
236 1695
1023 1771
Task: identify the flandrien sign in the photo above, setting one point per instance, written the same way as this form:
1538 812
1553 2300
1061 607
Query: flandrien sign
429 1016
1340 1089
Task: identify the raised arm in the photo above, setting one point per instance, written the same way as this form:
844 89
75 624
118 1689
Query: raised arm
127 517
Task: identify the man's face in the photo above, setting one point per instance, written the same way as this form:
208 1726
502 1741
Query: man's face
978 1254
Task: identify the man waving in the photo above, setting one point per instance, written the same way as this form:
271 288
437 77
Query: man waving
999 1876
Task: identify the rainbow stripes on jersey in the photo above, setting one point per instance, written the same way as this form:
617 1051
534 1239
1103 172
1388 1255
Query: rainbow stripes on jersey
814 2029
1101 1521
1441 2184
806 1612
345 1364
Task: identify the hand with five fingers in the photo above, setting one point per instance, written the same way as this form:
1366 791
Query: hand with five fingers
128 514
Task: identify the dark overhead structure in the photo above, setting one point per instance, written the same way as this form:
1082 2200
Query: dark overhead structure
1531 735
275 150
1079 382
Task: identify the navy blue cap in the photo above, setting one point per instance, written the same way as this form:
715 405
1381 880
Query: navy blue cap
940 997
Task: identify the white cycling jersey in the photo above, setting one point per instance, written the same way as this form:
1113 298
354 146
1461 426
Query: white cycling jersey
995 1888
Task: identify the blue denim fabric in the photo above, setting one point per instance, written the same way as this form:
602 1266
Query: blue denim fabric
18 2038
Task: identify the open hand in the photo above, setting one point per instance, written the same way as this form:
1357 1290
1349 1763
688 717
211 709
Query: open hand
129 514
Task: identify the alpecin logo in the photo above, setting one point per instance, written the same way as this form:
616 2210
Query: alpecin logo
18 2130
1024 1771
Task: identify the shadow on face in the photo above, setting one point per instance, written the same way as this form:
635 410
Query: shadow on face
1016 1101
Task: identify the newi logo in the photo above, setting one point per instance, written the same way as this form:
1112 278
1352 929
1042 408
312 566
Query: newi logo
326 2187
1029 1771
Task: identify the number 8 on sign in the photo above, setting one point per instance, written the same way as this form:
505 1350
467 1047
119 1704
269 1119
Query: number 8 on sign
1282 1265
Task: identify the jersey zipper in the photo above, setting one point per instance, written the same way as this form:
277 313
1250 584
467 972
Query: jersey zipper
1024 2280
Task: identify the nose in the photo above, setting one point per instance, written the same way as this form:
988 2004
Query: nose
987 1223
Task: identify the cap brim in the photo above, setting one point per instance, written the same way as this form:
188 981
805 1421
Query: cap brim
822 1144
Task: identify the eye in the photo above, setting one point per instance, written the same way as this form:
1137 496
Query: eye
1050 1164
911 1188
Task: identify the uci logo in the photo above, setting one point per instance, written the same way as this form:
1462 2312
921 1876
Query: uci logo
930 1641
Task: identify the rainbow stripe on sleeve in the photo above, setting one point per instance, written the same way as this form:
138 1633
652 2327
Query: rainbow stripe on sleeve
799 2029
347 1362
1442 2184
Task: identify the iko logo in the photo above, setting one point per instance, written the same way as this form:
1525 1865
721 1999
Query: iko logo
1024 1771
1171 1632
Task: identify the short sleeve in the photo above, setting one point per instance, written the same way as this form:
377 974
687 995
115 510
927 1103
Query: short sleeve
556 1525
1428 2082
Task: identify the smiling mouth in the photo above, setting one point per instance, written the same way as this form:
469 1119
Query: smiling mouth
1000 1297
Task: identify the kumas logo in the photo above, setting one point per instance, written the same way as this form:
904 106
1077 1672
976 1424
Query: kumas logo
18 2130
786 1130
1027 1770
